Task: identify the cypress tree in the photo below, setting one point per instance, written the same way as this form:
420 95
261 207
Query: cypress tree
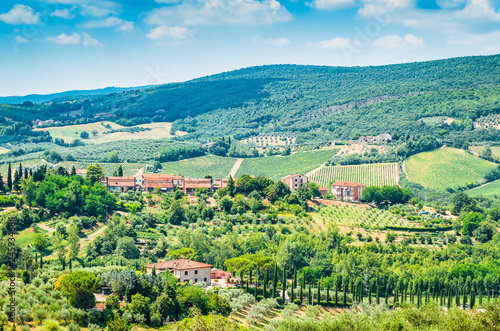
336 295
70 264
345 294
120 171
457 298
353 293
301 294
250 276
396 295
480 299
369 294
9 177
63 264
449 299
360 291
328 295
284 283
292 295
275 279
387 295
26 174
265 285
418 298
378 295
20 171
309 296
295 276
465 299
246 288
319 292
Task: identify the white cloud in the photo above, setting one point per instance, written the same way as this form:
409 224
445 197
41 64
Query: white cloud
120 24
271 41
63 13
100 8
74 39
20 14
89 41
333 4
376 8
172 32
484 41
207 12
65 39
479 9
20 40
397 42
335 43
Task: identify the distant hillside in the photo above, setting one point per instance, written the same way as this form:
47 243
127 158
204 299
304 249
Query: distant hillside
39 98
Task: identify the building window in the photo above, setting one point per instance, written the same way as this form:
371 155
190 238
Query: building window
185 273
196 280
205 279
196 272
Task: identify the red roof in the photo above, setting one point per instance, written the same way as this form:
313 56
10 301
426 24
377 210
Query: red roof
349 184
121 181
160 176
291 176
180 264
197 182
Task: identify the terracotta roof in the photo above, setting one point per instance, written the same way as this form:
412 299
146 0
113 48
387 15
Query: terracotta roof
81 171
321 188
290 176
159 184
160 176
121 181
197 182
180 264
349 184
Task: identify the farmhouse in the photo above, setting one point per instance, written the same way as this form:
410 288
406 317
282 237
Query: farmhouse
294 181
185 270
166 182
191 184
322 190
219 183
120 184
347 191
81 172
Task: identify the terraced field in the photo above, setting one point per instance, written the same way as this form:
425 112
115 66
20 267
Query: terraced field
360 216
278 166
489 190
217 166
446 167
129 169
369 174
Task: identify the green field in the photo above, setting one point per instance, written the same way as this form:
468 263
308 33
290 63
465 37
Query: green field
369 174
476 149
217 166
368 218
26 236
27 163
446 167
278 166
129 169
488 190
69 133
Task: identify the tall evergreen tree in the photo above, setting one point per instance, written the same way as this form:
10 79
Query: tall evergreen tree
309 295
328 294
319 292
378 295
26 174
73 171
120 171
264 290
2 185
9 177
275 279
230 186
301 294
284 283
20 170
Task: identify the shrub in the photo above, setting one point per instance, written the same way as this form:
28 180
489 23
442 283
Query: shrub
296 301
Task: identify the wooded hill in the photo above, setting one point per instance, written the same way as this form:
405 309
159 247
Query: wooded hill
316 102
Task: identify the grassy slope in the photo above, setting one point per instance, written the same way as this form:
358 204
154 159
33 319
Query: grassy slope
446 167
369 174
71 132
217 166
488 190
277 166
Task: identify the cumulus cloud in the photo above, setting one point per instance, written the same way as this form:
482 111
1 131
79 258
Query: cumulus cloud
66 39
63 13
339 43
120 24
332 4
207 12
89 41
20 40
74 39
100 8
271 41
479 9
20 14
397 42
171 32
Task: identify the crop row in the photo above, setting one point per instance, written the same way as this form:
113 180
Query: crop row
377 174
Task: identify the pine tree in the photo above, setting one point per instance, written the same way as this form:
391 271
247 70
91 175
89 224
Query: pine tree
120 171
9 177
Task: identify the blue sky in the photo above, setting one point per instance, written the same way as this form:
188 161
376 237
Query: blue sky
56 45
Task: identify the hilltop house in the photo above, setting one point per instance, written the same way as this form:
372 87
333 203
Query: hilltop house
191 184
185 270
166 182
347 191
120 184
294 181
